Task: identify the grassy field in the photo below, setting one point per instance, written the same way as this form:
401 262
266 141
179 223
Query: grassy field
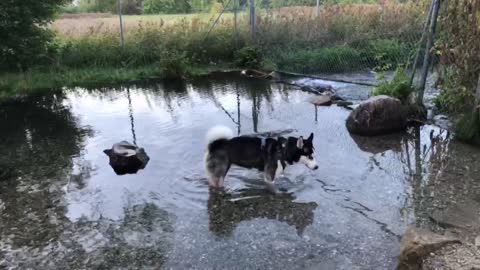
80 25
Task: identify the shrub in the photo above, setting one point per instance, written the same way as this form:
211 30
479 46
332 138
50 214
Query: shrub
174 65
335 59
248 57
24 39
399 87
387 53
468 128
454 96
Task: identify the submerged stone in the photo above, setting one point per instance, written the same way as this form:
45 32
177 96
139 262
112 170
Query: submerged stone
321 100
126 158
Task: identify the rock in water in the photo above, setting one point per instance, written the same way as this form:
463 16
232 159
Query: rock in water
377 116
417 244
321 100
126 158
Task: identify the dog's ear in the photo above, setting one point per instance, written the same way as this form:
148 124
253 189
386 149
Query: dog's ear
310 138
300 143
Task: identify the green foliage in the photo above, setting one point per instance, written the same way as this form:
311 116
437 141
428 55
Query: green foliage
174 65
97 6
248 57
387 53
167 6
399 87
24 39
468 128
287 3
105 6
454 97
69 9
346 2
458 48
36 80
334 59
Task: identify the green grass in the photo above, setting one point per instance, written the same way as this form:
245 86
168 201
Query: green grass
19 84
35 81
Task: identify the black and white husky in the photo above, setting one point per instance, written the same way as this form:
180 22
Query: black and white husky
268 154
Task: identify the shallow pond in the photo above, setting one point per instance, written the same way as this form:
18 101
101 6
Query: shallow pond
63 207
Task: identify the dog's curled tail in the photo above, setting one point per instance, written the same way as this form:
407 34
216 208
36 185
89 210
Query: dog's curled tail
218 133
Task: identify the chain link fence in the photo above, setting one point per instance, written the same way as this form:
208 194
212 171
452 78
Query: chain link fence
333 38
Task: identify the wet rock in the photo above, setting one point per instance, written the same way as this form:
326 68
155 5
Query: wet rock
322 100
318 89
126 158
465 215
442 121
253 73
378 115
344 104
417 244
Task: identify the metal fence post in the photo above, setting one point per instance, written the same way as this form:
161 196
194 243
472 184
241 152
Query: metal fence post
426 59
318 8
477 98
235 21
253 18
121 22
422 38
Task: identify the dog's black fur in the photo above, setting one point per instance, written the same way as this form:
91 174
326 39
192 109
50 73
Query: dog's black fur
264 154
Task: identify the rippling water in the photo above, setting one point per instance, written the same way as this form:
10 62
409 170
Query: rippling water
62 206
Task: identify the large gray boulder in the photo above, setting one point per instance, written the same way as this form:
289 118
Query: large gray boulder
126 158
378 116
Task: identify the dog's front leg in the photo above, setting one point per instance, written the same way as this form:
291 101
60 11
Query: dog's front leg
269 175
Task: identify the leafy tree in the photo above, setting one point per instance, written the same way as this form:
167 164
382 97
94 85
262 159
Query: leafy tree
24 39
167 6
128 6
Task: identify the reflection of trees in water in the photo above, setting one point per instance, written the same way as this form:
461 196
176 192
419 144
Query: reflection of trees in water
41 143
39 139
227 211
254 90
446 175
426 155
172 94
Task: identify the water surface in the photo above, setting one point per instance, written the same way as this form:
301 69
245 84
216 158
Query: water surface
63 207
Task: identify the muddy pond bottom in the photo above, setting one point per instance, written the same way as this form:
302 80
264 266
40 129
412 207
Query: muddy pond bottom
63 207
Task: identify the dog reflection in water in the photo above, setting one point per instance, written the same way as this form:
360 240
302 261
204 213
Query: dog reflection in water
226 211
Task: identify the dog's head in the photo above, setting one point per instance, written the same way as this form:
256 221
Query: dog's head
305 152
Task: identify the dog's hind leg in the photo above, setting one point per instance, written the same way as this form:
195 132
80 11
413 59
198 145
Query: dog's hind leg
217 167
